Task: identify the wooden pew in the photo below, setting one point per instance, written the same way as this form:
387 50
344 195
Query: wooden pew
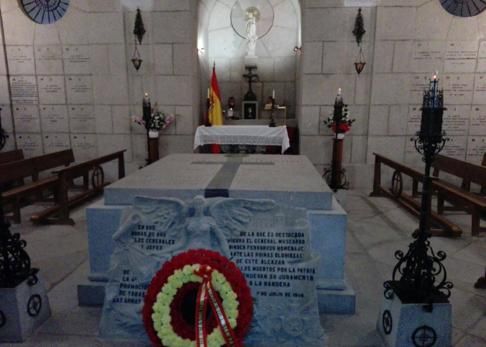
439 225
460 196
93 183
7 157
31 168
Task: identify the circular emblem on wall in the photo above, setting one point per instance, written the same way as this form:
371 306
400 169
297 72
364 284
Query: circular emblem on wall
97 178
387 322
397 185
44 11
464 8
242 11
34 305
424 336
3 319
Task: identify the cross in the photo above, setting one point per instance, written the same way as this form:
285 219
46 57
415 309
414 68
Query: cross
221 182
252 77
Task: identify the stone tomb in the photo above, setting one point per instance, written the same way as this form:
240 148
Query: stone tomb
288 180
269 243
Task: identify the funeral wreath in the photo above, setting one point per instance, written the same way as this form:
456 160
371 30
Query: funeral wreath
198 298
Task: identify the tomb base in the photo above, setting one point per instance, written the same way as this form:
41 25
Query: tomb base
337 301
402 324
22 310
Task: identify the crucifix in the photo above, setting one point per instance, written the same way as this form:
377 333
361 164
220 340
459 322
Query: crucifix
250 103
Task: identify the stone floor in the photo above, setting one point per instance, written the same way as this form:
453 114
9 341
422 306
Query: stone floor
377 227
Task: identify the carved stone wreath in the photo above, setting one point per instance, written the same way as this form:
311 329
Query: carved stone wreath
34 305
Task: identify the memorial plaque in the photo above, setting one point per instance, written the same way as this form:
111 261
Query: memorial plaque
21 60
427 56
54 118
84 147
77 60
269 243
458 89
475 149
456 120
79 89
51 90
48 60
414 118
418 83
82 119
456 147
460 56
480 90
26 118
56 142
24 89
31 144
478 121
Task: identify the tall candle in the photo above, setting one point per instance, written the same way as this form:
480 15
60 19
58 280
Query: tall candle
147 110
273 93
208 93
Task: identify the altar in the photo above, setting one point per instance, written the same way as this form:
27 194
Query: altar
257 135
289 181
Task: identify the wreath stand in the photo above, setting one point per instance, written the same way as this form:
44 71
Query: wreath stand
152 146
335 176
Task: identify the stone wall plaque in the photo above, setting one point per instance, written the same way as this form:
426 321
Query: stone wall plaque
418 83
26 118
48 60
456 120
31 144
427 56
51 90
79 89
24 89
56 142
84 147
478 121
482 57
82 119
54 118
77 60
460 56
456 147
458 89
476 148
480 90
414 117
21 60
269 243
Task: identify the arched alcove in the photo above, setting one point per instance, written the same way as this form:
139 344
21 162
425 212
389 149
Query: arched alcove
222 41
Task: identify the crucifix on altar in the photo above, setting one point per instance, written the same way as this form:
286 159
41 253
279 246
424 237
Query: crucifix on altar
250 102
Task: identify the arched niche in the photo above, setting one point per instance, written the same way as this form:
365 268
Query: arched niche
221 40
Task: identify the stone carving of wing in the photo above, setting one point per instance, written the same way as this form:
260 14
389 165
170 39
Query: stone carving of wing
233 215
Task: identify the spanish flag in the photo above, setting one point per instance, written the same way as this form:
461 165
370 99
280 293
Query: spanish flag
215 110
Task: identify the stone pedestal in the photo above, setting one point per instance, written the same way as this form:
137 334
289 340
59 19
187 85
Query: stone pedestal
288 180
22 310
402 324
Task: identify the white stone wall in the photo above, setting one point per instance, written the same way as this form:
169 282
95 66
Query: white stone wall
406 42
83 87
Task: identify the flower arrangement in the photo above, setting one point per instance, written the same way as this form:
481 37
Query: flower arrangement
158 120
176 303
339 122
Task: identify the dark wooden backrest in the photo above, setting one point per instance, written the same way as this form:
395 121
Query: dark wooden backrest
16 170
31 167
54 160
9 156
449 165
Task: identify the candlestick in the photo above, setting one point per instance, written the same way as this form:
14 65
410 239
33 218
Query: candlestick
339 97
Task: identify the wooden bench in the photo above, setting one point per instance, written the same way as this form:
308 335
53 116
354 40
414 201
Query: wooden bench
439 225
31 168
460 196
93 177
7 157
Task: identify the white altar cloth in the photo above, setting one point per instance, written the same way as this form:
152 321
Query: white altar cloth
260 135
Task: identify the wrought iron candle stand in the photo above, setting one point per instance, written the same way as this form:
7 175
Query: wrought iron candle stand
272 114
420 276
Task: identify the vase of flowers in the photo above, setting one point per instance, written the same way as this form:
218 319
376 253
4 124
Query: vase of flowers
153 124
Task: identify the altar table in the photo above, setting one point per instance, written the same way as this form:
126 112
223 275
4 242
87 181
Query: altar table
259 135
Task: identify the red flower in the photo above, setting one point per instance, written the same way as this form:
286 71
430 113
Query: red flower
343 128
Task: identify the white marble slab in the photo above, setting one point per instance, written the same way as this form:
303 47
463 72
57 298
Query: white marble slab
21 60
82 119
26 118
54 118
77 59
476 148
51 89
56 142
24 89
31 144
48 60
79 89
